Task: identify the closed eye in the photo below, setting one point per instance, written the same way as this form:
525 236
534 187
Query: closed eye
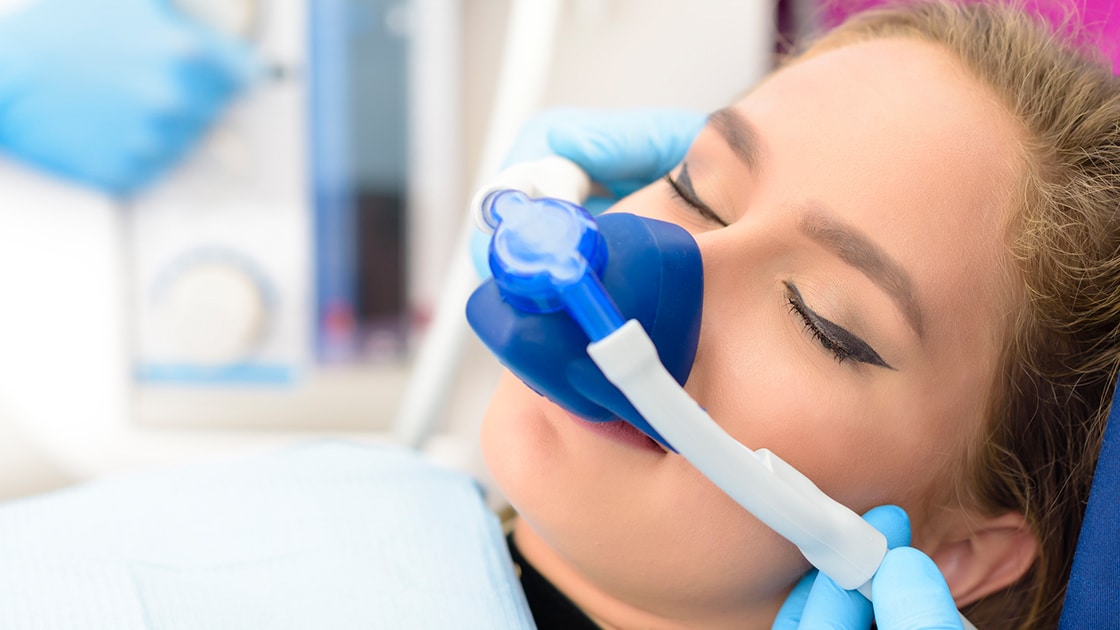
682 189
843 345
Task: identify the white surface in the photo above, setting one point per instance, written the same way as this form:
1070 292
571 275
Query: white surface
435 164
214 314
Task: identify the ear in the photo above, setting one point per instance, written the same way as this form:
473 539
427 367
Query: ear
984 555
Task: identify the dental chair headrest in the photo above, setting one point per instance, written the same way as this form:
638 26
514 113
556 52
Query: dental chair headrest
1093 595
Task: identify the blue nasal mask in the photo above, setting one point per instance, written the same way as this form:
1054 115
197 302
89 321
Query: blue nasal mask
561 279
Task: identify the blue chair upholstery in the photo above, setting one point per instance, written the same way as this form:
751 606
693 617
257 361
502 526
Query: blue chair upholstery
1093 595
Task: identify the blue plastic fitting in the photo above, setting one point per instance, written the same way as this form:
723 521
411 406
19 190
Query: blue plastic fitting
546 256
562 279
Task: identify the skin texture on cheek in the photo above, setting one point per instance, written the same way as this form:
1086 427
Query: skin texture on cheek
775 388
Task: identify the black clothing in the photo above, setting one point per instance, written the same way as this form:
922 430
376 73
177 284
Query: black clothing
551 609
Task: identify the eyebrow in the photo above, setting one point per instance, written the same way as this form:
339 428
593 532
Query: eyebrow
739 133
859 251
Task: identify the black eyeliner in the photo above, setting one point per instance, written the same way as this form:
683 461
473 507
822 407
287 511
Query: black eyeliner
843 344
682 186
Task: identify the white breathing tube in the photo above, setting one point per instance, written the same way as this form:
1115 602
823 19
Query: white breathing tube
833 538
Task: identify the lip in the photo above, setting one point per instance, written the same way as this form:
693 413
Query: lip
621 432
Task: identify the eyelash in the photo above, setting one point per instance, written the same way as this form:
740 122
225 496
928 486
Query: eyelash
839 352
855 349
680 193
842 351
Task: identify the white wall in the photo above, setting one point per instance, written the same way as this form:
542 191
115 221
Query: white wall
626 53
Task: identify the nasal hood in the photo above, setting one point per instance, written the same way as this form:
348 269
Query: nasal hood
654 274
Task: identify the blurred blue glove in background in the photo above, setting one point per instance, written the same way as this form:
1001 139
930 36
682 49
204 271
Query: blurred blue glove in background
622 150
909 590
110 93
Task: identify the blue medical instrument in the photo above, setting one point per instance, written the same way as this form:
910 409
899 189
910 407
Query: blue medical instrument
550 257
1093 595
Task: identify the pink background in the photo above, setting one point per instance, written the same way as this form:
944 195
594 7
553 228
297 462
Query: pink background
1095 22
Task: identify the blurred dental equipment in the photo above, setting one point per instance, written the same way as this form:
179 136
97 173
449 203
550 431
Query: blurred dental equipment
183 321
531 52
329 253
529 40
273 279
234 303
551 260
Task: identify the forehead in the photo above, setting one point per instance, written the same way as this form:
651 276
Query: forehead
900 140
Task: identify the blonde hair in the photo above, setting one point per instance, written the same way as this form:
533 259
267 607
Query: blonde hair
1060 356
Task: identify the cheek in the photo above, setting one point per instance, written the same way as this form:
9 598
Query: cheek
859 448
865 438
516 441
642 529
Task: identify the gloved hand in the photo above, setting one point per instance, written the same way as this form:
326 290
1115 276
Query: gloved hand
909 590
110 93
621 150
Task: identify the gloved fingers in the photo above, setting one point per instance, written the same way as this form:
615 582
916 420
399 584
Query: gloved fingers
141 158
480 253
114 174
623 187
146 145
830 607
893 522
168 118
789 615
599 205
232 56
626 145
212 67
817 601
133 8
911 594
130 91
532 138
72 146
669 131
183 103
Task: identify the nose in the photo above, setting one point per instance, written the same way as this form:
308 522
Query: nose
654 274
744 264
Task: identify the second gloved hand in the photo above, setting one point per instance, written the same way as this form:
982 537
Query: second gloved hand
908 589
111 93
621 150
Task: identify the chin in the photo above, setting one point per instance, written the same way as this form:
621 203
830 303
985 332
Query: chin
629 518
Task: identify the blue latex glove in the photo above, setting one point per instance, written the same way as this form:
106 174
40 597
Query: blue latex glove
110 93
622 150
909 590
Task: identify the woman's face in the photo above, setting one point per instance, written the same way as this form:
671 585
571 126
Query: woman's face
854 207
